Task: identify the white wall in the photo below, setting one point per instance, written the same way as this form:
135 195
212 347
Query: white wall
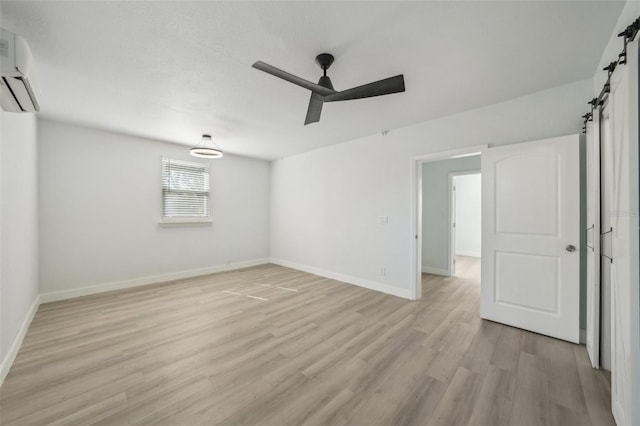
327 204
468 215
19 225
100 202
435 211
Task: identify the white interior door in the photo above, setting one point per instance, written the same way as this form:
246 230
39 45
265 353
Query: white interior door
452 225
530 236
593 239
622 207
606 191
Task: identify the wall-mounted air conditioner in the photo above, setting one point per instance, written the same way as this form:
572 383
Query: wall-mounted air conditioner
17 89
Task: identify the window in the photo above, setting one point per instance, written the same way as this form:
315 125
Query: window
185 191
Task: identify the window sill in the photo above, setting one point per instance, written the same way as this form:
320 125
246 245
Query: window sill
185 221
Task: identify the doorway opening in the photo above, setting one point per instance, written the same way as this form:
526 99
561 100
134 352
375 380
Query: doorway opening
465 218
435 250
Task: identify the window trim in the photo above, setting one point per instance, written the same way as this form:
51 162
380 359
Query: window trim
170 220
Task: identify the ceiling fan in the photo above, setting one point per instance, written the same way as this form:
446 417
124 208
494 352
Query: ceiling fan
324 91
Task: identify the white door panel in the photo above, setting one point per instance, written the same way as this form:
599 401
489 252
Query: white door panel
541 295
530 214
527 182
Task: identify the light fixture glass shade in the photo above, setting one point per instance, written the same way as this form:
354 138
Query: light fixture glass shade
205 152
206 149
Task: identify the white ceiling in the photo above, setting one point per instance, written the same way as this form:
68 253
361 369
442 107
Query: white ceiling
174 70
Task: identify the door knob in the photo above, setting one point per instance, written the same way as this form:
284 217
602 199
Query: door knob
570 248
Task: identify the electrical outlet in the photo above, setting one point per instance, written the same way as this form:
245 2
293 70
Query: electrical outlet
383 271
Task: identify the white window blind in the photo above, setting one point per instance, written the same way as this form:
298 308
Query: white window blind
185 190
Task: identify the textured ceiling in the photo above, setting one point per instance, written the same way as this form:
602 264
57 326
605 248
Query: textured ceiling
174 70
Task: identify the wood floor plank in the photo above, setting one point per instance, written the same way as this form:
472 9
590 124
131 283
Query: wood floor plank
423 397
531 403
495 400
595 388
275 346
456 405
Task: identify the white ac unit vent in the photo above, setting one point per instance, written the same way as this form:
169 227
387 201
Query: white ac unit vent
17 87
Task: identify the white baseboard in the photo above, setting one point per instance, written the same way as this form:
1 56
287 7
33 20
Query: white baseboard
471 253
55 296
360 282
7 361
435 271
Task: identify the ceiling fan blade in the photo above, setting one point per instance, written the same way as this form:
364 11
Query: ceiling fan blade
277 72
377 88
315 109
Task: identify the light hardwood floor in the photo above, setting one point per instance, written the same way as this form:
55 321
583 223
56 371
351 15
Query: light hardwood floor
274 346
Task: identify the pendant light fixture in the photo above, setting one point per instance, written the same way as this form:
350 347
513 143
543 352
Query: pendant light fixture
206 149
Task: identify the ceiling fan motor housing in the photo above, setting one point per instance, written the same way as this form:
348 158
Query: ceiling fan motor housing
325 82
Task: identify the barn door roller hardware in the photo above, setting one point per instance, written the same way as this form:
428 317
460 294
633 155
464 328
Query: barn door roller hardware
629 34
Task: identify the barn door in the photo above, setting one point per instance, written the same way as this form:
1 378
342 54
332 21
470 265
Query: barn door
530 236
592 238
620 242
